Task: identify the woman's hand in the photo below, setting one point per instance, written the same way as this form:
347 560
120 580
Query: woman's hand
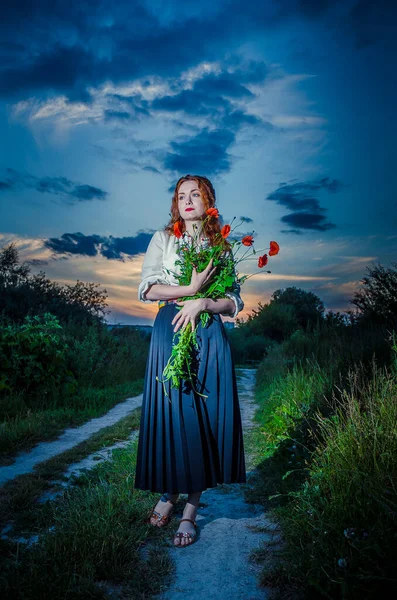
198 280
188 313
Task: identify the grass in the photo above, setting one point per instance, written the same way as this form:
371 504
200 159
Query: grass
19 497
329 476
344 517
25 430
287 395
96 538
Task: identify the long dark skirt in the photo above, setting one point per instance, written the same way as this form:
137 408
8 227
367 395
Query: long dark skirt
188 443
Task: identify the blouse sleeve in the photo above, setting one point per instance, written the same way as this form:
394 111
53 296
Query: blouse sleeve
152 267
234 294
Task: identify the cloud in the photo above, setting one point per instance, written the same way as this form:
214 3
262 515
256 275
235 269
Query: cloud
56 186
109 247
300 197
206 148
208 104
206 152
364 21
306 220
68 49
371 22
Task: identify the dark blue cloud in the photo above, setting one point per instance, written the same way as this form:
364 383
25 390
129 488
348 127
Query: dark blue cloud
306 220
53 47
300 197
201 149
365 21
110 247
56 186
206 152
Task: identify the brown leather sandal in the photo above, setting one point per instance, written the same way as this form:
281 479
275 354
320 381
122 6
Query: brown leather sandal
161 520
186 534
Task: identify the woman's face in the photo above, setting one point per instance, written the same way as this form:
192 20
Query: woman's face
190 201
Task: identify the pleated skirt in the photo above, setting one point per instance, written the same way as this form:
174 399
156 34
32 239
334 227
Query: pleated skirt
188 443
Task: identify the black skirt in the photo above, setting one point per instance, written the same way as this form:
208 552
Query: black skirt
188 443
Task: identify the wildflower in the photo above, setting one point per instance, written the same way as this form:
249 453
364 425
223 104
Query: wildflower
212 212
247 240
177 229
262 261
349 532
225 231
274 249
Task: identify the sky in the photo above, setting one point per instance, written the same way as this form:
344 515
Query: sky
288 107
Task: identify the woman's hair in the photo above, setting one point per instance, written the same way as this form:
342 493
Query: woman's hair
213 225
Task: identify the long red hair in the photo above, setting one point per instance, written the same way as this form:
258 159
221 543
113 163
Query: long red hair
213 225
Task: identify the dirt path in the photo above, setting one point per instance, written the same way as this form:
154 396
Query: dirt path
216 566
25 462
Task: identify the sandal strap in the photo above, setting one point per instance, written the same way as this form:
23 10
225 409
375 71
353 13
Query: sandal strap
161 516
191 521
185 534
165 499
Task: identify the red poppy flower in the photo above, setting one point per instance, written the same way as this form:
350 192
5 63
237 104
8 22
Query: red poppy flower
262 261
247 240
212 212
177 229
225 231
274 248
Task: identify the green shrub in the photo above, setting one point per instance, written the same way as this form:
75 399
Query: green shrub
100 358
33 360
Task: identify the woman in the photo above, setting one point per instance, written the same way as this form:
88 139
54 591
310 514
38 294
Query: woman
186 443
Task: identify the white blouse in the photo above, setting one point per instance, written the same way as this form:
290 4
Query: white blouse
161 254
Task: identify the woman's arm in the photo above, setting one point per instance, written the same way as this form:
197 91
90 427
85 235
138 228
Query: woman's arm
164 291
223 306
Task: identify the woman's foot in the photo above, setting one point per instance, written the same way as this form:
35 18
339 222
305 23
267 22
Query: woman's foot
161 513
186 527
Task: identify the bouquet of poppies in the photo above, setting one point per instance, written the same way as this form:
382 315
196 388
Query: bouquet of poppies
184 346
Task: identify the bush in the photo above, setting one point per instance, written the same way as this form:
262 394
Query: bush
99 358
33 359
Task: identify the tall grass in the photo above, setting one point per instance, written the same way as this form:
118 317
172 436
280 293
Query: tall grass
340 527
287 393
